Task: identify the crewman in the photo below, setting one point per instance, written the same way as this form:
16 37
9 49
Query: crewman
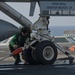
18 41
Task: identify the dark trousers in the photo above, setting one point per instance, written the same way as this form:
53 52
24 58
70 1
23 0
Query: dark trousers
16 57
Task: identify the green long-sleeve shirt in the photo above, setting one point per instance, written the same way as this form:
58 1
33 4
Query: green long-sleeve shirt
19 40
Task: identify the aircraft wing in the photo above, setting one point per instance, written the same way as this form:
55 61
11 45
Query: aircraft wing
7 30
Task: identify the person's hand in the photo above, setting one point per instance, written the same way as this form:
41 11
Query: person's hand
15 46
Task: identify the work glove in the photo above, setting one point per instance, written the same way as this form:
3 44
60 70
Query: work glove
15 46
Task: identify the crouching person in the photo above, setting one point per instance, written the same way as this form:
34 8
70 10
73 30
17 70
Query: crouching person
18 41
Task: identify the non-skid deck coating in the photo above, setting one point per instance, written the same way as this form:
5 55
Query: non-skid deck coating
37 69
60 67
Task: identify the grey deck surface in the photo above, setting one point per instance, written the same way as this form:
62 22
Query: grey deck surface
60 67
37 70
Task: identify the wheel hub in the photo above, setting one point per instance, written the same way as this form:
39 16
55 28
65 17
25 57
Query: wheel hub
48 53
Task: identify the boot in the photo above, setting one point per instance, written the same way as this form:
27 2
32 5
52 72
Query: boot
17 60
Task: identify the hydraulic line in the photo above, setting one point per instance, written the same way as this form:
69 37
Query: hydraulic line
15 15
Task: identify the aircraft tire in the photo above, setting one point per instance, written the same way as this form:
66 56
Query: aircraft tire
28 56
46 52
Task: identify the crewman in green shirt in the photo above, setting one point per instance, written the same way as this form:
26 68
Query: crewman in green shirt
19 40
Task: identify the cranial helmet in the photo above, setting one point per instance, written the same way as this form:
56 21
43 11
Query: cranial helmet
25 29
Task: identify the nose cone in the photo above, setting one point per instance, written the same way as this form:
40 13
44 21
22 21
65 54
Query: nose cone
7 30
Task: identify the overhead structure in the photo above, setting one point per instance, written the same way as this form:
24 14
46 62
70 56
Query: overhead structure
32 0
17 0
50 7
57 8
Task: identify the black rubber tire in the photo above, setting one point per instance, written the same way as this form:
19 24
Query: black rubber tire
39 52
29 58
28 55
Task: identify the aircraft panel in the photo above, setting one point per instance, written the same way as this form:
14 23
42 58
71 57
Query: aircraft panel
32 0
16 0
